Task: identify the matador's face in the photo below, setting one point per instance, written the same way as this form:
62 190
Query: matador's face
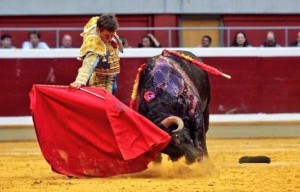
105 35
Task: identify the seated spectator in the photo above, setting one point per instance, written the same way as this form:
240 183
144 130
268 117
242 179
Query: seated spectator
240 40
296 43
149 41
66 41
206 41
6 42
270 40
125 42
34 41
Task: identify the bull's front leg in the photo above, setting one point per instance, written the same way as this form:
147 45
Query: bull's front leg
198 132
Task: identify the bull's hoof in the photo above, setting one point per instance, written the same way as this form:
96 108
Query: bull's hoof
173 159
201 152
190 160
158 159
192 157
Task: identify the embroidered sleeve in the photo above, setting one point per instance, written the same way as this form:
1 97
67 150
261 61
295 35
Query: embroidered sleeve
88 66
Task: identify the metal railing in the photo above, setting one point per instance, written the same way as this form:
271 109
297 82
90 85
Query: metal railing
223 31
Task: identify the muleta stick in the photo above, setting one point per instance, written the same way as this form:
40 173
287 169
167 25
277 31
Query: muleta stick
89 92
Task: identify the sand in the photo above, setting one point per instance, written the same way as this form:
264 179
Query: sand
24 169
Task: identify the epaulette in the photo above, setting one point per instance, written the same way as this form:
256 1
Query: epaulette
93 44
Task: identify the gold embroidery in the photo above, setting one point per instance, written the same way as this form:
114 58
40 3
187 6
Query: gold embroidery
91 41
107 71
85 69
113 61
104 81
94 44
90 26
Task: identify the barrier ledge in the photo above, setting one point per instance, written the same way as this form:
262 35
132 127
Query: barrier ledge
149 52
215 119
221 126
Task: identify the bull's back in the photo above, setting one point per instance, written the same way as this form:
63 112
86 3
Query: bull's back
201 81
198 76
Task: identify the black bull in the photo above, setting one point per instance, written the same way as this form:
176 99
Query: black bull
175 95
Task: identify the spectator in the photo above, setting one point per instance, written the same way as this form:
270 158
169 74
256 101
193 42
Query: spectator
270 40
125 42
149 41
6 42
240 40
66 41
296 43
34 41
206 41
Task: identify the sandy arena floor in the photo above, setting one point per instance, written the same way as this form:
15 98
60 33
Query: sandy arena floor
23 169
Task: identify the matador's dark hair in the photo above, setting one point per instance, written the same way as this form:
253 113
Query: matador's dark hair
108 22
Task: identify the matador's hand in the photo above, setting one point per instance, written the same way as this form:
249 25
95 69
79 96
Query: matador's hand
76 85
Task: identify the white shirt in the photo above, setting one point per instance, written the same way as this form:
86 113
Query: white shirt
41 45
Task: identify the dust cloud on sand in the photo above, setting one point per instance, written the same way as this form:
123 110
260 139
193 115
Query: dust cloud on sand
179 169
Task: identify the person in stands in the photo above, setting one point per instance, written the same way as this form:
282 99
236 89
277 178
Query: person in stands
270 40
149 41
240 40
34 41
6 42
206 41
296 43
66 41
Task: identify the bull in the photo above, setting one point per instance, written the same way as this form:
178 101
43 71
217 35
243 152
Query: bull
175 95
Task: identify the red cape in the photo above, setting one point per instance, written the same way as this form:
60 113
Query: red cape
81 134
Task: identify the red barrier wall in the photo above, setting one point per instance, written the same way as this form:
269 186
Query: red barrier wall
269 85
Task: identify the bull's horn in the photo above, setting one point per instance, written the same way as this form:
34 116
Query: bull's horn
167 122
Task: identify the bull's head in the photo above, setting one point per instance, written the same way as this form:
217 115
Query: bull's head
182 143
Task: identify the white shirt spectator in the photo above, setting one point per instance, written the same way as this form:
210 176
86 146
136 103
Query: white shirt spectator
41 45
